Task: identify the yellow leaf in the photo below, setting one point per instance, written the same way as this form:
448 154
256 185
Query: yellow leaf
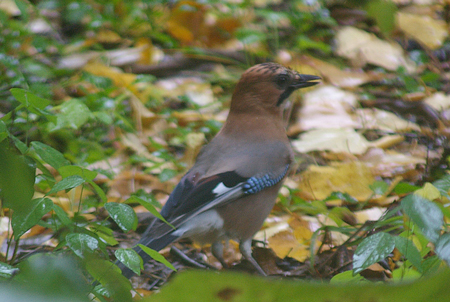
428 191
284 244
353 178
430 32
119 78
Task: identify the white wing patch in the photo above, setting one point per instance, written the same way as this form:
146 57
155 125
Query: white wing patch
220 189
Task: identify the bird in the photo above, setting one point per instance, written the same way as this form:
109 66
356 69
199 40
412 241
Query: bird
234 183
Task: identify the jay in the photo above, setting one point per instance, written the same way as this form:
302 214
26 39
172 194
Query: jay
233 185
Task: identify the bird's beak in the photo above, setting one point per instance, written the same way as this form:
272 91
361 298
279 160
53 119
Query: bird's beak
304 80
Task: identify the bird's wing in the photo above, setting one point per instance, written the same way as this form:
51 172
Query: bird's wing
190 198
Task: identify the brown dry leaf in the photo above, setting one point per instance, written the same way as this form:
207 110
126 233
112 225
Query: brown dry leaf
10 8
426 30
376 272
336 140
198 91
285 244
383 120
273 225
438 101
133 142
107 36
189 116
388 163
5 228
150 54
364 48
130 181
142 293
327 107
142 116
372 214
339 77
190 24
117 57
186 21
119 78
34 231
303 234
354 178
221 31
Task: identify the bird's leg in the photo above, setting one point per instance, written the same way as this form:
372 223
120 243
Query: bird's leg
245 247
217 251
174 250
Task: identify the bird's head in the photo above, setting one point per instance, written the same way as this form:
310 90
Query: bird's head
266 86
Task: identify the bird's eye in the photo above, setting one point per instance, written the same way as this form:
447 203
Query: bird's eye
282 80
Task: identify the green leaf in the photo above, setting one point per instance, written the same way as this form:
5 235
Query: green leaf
67 183
407 248
4 133
7 271
51 156
76 170
443 247
342 196
371 250
106 236
249 36
19 144
443 185
192 285
25 219
131 259
123 215
73 114
104 117
52 275
348 277
431 265
17 179
379 187
384 14
62 215
425 214
110 276
404 188
405 274
167 174
98 190
29 99
149 207
82 244
156 256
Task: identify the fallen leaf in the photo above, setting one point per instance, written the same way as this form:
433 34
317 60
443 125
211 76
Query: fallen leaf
427 31
388 163
10 8
383 120
327 107
372 214
428 191
353 178
438 101
285 244
335 140
364 48
348 78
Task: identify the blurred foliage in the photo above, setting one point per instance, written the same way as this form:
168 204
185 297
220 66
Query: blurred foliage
60 121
